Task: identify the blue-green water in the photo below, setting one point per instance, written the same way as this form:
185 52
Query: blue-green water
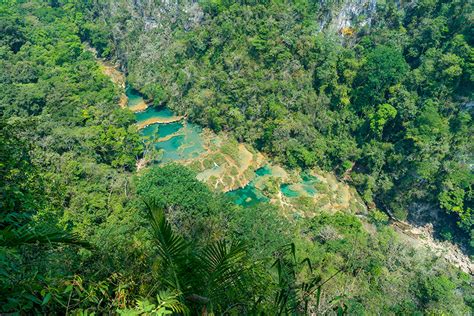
193 143
287 191
150 133
168 129
251 194
170 148
152 112
187 143
133 96
161 130
247 196
308 183
310 189
265 170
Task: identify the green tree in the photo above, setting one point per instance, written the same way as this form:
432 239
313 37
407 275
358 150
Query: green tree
384 67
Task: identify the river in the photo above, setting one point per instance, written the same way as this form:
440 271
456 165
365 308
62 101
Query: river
249 179
180 140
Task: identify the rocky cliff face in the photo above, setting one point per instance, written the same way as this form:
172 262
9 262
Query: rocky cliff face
140 28
350 13
152 13
143 26
162 14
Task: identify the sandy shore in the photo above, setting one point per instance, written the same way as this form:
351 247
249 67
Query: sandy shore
159 120
140 107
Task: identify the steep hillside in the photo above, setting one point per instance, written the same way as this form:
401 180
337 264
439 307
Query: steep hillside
374 92
121 123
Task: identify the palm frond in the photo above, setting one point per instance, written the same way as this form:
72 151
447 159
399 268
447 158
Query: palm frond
169 300
12 236
172 247
167 303
222 266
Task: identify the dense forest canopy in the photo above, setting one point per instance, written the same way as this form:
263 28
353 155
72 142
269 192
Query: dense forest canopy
384 102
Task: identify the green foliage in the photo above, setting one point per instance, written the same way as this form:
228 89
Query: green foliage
366 259
20 184
192 207
298 296
386 107
437 288
246 225
65 149
202 276
98 36
384 67
379 218
167 303
389 100
11 236
384 113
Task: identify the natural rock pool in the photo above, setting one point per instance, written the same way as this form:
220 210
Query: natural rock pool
162 129
266 182
246 176
250 194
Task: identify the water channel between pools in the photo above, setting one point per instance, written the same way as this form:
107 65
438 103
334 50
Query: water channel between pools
180 140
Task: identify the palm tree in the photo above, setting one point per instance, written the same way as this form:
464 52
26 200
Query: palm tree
15 236
203 277
16 232
299 297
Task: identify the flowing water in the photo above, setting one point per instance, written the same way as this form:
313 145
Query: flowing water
152 112
180 140
133 96
250 194
254 192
